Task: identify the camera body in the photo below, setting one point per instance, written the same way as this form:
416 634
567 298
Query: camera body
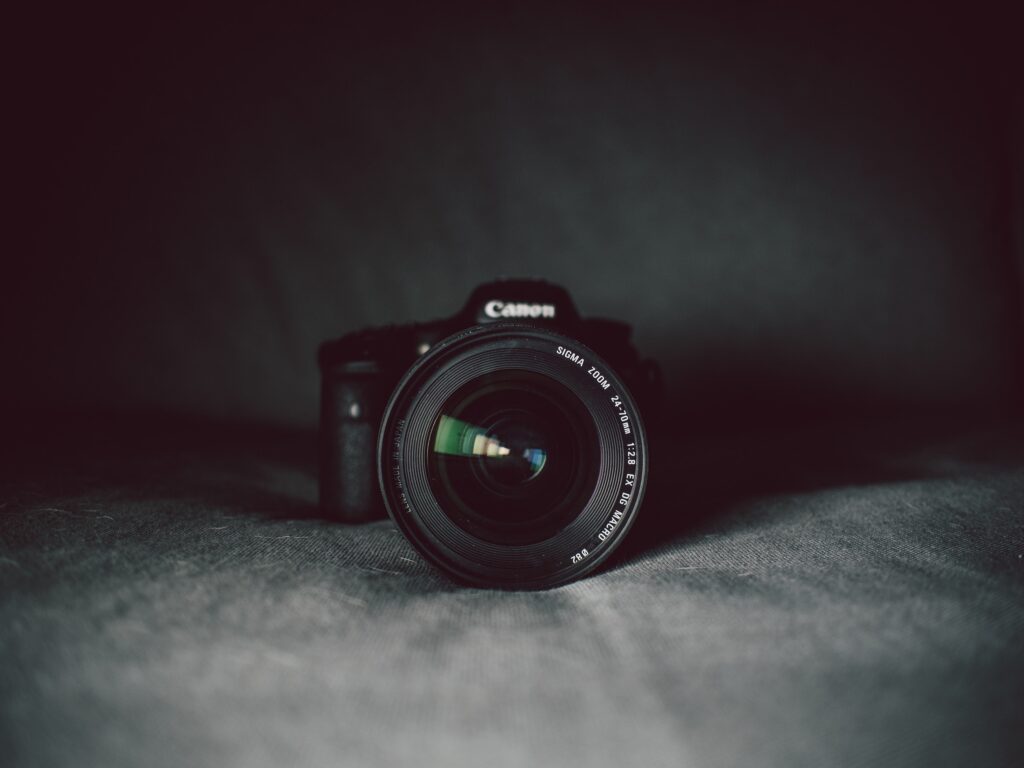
360 370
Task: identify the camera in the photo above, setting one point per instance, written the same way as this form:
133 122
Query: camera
506 442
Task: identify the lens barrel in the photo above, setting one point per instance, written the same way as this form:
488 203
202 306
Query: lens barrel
511 456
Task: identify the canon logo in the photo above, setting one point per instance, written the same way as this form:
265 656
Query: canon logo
501 309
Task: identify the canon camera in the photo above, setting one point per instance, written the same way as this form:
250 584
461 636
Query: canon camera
506 442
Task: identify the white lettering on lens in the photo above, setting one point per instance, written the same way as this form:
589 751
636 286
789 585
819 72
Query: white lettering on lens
610 526
578 557
599 377
501 309
569 355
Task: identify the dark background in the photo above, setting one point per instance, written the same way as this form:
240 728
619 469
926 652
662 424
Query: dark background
811 216
804 212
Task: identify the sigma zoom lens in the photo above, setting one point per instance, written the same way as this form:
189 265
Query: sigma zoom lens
508 451
512 457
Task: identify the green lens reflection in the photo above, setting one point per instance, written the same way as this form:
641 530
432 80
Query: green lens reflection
459 438
512 457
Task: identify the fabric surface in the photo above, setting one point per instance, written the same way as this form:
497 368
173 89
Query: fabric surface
815 599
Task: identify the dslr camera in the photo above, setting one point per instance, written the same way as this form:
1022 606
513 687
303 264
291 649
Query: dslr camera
506 442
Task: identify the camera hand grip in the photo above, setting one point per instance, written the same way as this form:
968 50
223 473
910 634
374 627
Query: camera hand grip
350 412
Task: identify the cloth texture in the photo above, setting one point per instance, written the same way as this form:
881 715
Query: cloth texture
816 599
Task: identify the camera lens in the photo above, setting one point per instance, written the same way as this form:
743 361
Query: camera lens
514 457
511 456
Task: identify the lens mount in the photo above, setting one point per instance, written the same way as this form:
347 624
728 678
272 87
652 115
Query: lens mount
511 456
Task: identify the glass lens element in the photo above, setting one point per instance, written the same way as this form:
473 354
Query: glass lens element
514 457
509 448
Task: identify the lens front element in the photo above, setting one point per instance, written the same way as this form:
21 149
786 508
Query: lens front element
511 456
515 457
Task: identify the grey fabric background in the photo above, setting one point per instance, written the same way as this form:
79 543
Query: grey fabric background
861 603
